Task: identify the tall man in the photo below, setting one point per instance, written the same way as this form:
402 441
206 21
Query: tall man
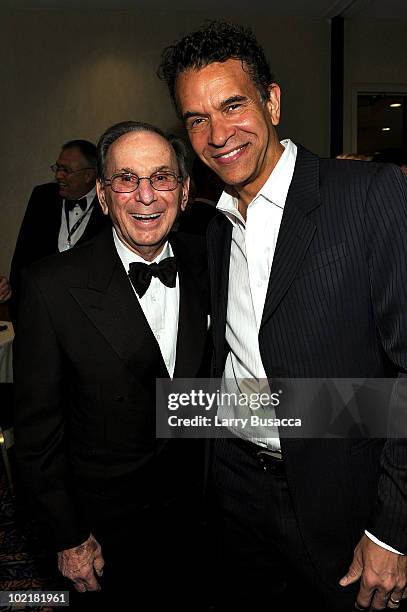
98 324
60 214
308 264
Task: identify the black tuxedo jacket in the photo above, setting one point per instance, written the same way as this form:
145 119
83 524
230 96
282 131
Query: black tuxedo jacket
86 362
336 306
38 235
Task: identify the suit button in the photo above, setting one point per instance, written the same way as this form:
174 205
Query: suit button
119 398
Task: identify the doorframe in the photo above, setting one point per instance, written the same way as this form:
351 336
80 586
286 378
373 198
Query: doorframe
387 89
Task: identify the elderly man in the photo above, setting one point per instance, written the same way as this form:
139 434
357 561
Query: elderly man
308 265
60 214
98 325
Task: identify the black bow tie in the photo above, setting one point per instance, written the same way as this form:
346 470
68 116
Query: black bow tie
140 274
70 204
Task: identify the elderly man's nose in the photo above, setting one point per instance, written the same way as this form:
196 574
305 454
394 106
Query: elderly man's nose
145 192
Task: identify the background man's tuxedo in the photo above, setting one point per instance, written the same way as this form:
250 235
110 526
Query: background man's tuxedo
38 235
336 306
86 362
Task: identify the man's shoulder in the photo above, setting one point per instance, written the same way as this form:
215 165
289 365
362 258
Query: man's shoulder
337 167
189 248
357 178
72 265
349 167
341 175
186 242
49 189
44 194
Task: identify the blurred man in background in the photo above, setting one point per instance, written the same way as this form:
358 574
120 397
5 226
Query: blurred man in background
60 214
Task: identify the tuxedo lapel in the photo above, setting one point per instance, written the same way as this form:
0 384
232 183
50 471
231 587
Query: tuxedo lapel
111 305
296 229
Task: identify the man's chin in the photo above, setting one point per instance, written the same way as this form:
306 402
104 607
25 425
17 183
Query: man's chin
63 192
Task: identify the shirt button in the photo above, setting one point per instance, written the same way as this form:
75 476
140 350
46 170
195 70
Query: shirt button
259 284
158 336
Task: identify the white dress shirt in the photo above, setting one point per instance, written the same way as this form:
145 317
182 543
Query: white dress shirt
160 304
251 257
74 215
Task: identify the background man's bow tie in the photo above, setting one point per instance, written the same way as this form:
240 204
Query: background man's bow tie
141 274
70 204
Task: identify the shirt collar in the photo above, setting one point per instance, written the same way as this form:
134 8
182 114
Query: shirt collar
274 190
127 256
90 196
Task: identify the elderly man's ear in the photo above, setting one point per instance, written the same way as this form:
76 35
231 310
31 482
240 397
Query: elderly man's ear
101 193
185 193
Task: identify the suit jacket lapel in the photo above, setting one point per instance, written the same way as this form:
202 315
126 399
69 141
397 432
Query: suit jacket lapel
193 311
53 224
219 242
296 229
112 306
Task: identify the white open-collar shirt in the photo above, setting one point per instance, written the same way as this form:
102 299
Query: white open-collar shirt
251 257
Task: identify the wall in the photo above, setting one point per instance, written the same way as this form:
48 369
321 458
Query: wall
375 60
71 73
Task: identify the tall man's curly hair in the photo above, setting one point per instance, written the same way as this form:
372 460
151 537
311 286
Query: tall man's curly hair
217 41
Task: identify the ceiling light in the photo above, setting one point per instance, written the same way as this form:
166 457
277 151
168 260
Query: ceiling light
395 105
386 129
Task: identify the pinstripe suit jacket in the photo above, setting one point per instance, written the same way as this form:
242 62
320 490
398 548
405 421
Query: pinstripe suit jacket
336 306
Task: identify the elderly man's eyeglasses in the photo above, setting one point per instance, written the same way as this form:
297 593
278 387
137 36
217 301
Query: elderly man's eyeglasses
126 182
57 168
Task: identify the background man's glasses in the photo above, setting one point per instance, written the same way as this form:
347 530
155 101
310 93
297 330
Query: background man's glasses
126 182
57 168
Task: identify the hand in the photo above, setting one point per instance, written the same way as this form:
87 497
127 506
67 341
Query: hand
5 289
79 564
382 574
